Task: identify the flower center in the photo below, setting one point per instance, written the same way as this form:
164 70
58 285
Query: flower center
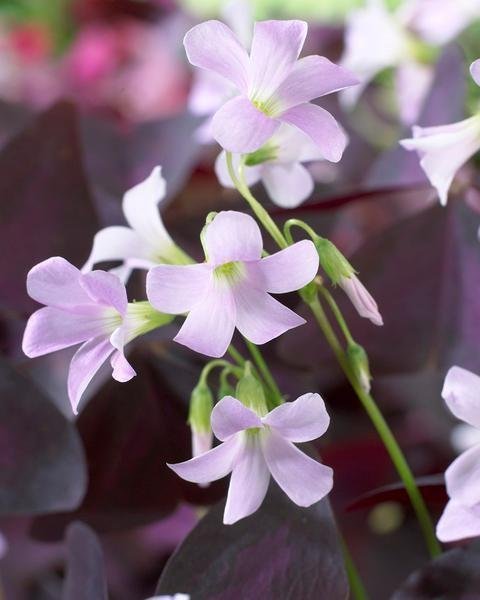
231 272
268 107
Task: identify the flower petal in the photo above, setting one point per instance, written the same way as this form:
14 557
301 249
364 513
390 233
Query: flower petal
294 146
252 174
303 479
261 318
461 392
276 45
229 416
475 71
288 185
140 206
241 127
214 46
313 77
56 282
248 482
85 363
122 369
209 327
287 270
361 299
209 466
463 477
50 329
106 289
233 236
322 128
115 243
176 289
303 420
458 522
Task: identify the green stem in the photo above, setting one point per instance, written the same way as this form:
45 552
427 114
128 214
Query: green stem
297 223
356 585
213 364
235 354
262 366
337 314
384 432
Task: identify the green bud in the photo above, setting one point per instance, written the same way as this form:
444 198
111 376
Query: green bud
335 265
201 405
250 392
358 361
208 220
263 154
309 292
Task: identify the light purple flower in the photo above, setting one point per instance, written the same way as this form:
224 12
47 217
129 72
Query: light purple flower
361 299
445 148
281 171
146 242
256 446
232 288
461 517
89 309
272 85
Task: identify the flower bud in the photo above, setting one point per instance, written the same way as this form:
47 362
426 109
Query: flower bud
201 405
332 261
358 361
250 392
361 299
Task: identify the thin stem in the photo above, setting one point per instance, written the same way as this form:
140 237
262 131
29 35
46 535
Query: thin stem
384 432
235 354
337 313
357 588
262 366
213 364
297 223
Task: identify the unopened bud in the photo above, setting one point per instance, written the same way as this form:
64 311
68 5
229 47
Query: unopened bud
361 299
332 261
250 392
211 215
358 361
201 405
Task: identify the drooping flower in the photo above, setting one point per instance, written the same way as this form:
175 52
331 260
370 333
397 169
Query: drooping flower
232 288
461 517
256 445
89 309
361 298
278 164
272 85
445 148
146 242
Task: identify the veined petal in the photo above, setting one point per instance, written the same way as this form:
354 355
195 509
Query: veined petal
106 289
140 206
209 466
176 289
261 318
229 416
115 243
303 420
461 392
458 522
241 127
313 77
288 185
209 327
248 482
56 282
287 270
213 46
233 236
276 45
475 71
85 363
50 329
304 480
252 174
463 477
320 126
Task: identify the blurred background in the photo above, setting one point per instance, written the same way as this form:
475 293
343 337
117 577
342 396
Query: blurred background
93 95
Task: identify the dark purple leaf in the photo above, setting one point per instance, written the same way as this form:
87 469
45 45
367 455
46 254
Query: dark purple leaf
281 551
42 461
453 576
85 578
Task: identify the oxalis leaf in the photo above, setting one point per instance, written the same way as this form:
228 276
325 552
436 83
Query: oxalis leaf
281 552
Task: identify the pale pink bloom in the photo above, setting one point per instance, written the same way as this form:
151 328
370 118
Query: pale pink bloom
361 299
89 309
286 180
256 446
145 242
272 85
445 148
461 517
232 288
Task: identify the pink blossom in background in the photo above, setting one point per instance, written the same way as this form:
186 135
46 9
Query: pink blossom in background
461 517
273 86
255 446
232 288
445 148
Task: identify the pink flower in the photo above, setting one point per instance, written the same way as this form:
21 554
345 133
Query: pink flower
278 164
445 148
256 446
90 309
232 288
361 299
272 85
146 242
461 517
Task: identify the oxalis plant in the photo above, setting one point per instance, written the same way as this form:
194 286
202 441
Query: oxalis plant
263 117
